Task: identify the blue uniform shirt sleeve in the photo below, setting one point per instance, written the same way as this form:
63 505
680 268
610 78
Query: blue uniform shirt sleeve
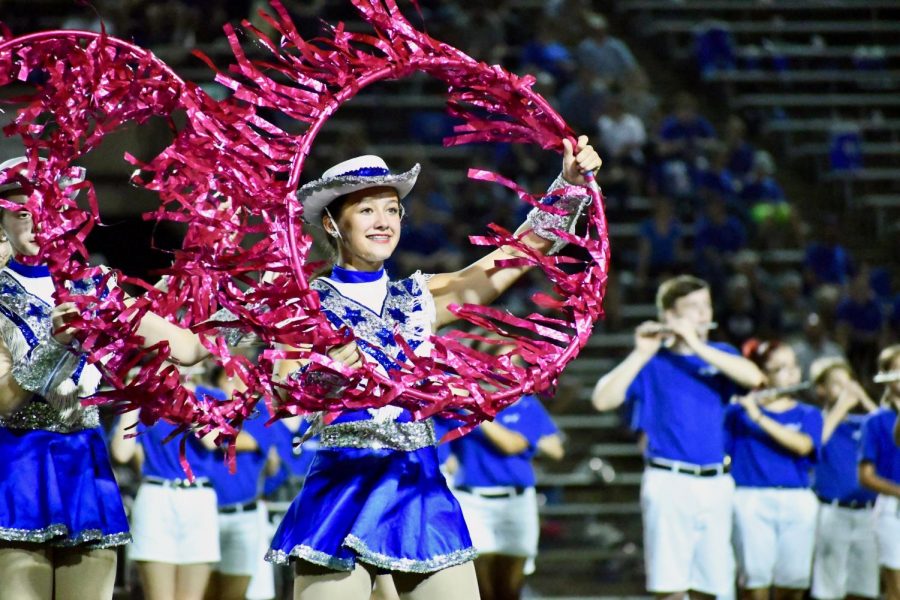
868 448
813 424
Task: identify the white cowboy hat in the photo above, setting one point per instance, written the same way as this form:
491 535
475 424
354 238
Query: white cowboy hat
8 172
349 176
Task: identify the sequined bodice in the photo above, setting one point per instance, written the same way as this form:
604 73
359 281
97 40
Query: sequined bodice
25 306
407 309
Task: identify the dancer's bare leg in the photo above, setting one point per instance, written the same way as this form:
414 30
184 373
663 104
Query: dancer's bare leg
26 572
84 574
227 587
452 583
191 580
484 571
508 576
157 579
385 588
312 582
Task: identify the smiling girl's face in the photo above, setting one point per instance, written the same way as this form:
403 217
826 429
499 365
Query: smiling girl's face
369 224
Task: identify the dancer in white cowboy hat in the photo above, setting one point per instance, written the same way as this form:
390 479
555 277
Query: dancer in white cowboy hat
61 514
374 500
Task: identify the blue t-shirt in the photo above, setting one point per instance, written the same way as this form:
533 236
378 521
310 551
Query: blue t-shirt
164 459
673 129
865 317
757 460
481 464
679 401
244 484
878 445
663 246
836 473
296 458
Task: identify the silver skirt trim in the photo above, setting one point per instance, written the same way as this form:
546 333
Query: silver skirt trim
374 435
57 535
316 557
364 554
408 565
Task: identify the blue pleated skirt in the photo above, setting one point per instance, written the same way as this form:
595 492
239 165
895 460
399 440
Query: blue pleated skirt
58 489
387 508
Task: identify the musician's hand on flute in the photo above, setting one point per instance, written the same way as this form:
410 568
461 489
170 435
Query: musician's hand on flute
685 330
748 401
648 337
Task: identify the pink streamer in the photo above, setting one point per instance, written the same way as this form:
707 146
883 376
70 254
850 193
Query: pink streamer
92 84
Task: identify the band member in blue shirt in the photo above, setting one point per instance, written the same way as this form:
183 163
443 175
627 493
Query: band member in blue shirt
174 521
879 470
846 556
773 441
494 483
242 542
678 385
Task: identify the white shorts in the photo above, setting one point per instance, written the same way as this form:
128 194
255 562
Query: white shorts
774 536
239 536
846 557
177 526
687 532
501 525
886 517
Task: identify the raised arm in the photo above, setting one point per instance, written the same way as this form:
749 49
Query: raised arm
505 440
868 478
609 391
797 442
483 281
737 368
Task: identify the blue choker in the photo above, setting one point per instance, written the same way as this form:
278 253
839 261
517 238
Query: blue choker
27 270
347 276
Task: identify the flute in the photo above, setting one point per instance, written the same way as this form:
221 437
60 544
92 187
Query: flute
659 328
784 390
887 377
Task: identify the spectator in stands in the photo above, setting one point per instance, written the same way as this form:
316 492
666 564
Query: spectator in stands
714 179
641 102
814 344
765 204
741 316
584 100
792 305
718 236
545 52
608 56
860 323
879 470
827 260
622 137
773 441
686 491
740 151
685 134
660 245
846 556
714 48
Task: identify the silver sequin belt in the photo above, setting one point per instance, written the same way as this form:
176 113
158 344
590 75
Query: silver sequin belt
376 435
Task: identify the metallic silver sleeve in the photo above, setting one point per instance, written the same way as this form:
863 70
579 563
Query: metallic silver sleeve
45 366
544 223
232 335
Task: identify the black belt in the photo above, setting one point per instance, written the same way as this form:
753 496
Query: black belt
200 482
688 468
509 492
236 508
853 504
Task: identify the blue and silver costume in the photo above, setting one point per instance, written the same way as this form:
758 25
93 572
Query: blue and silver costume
56 483
374 492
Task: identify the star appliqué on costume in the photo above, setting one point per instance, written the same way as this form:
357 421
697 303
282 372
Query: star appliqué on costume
353 315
